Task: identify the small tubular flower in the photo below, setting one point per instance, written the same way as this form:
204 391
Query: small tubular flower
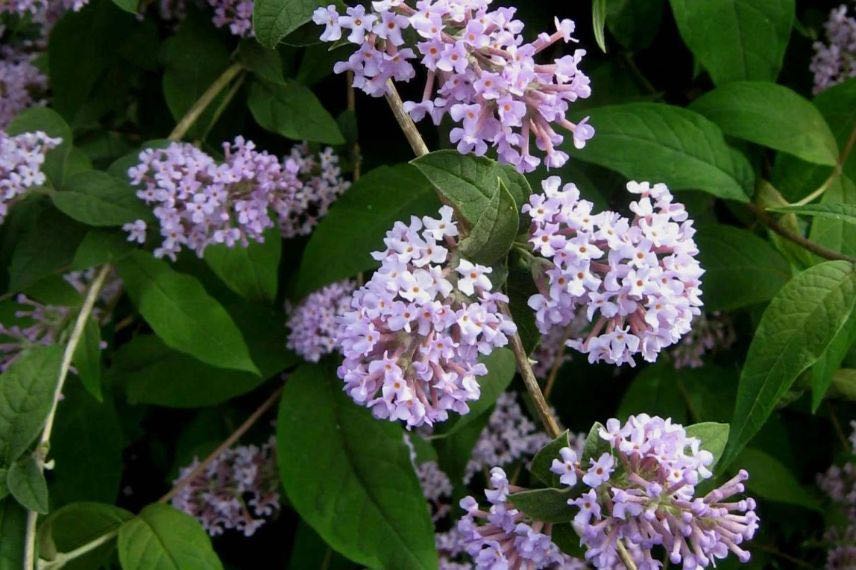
412 337
236 491
480 72
313 323
507 538
643 491
21 160
637 282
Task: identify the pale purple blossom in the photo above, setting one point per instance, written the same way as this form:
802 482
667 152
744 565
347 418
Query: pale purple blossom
238 490
237 15
21 160
479 71
412 338
643 492
22 84
313 323
835 61
636 281
709 333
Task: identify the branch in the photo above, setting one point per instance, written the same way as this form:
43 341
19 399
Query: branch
404 121
64 557
204 100
805 243
43 445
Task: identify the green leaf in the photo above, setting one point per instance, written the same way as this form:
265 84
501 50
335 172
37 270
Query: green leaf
493 233
547 505
127 5
74 525
162 538
771 480
823 370
86 446
98 199
594 446
713 436
469 182
770 115
150 371
26 394
663 143
836 234
182 313
27 484
100 246
264 63
4 490
844 383
349 475
543 460
40 253
275 19
501 367
833 210
52 124
736 39
654 391
342 242
795 330
252 271
87 358
309 551
293 111
454 451
13 530
740 268
634 23
598 22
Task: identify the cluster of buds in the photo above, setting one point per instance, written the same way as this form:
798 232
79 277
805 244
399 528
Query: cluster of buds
21 83
635 281
414 332
480 72
313 323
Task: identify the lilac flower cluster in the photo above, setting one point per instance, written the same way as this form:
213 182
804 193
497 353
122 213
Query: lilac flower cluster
313 323
237 15
480 72
21 160
636 281
319 181
41 11
508 436
835 61
35 324
839 484
414 332
709 333
21 83
508 538
236 491
436 487
643 491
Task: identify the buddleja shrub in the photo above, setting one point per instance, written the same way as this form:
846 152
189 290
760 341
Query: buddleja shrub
527 292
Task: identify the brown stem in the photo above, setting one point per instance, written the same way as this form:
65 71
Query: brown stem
554 371
356 155
204 100
227 443
805 243
842 437
404 121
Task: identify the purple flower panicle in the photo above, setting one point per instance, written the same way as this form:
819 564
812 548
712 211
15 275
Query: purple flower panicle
709 333
21 160
414 332
21 83
237 15
835 61
635 281
313 323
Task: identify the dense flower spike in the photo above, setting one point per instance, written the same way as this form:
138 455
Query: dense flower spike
313 323
237 15
508 436
709 333
835 61
21 160
236 491
21 83
436 487
480 72
636 281
643 491
839 484
508 539
414 332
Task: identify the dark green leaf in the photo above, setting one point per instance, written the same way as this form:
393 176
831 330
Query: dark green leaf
349 475
740 268
310 551
543 460
98 199
595 446
292 111
264 63
598 21
838 211
251 271
342 243
52 124
736 39
87 358
27 485
26 394
275 19
72 526
494 231
634 23
182 313
162 538
823 370
836 234
662 143
713 436
654 391
100 246
127 5
795 330
770 115
771 480
13 530
547 505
